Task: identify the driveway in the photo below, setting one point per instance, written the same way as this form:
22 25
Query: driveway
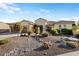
8 35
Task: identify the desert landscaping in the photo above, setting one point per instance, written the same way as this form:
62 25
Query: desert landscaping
42 38
21 46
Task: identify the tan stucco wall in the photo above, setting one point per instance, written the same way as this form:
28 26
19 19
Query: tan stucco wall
5 26
56 26
41 22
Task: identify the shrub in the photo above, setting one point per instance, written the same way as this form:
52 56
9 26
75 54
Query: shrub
47 45
64 44
58 31
66 31
18 27
4 41
44 34
48 29
72 44
53 32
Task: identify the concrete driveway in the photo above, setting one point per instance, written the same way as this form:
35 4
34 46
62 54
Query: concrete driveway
8 35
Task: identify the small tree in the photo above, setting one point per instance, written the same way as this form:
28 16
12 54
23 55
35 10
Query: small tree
36 30
48 29
74 28
18 27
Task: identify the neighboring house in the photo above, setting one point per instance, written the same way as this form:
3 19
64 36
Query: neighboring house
26 24
43 22
63 24
4 27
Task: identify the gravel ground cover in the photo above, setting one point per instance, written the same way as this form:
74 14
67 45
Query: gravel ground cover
21 46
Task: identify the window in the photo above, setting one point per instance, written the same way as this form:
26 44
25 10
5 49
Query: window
62 26
73 24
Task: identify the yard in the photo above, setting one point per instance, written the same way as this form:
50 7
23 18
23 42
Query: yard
21 46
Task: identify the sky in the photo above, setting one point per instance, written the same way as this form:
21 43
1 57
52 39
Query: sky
12 12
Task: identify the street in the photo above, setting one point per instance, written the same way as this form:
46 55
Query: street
8 35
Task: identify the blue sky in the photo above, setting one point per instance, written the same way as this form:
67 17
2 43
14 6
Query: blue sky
12 12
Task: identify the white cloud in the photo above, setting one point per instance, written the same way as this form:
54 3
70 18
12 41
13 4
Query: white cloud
20 12
24 12
64 19
71 19
37 13
9 8
49 16
47 11
76 19
7 20
44 10
27 11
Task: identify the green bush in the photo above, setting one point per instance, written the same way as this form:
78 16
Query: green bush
58 31
4 41
44 34
66 31
52 32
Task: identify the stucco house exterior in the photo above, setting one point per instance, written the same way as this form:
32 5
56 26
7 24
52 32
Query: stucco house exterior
62 24
43 22
4 27
27 25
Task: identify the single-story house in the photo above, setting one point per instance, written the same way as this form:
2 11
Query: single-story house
27 25
43 22
62 24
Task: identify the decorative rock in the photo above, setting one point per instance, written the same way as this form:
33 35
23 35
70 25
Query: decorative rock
45 53
72 44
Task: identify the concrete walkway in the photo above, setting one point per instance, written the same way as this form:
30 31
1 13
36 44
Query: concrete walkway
7 35
75 53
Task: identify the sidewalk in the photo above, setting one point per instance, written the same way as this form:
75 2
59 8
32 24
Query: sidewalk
75 53
8 35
